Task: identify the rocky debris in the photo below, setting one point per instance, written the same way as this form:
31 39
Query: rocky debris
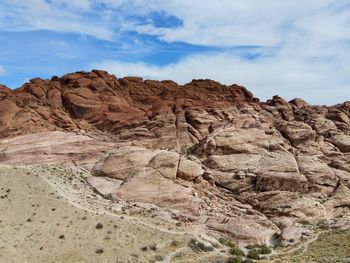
212 155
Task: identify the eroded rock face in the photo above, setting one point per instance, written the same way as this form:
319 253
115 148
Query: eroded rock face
213 155
52 147
150 176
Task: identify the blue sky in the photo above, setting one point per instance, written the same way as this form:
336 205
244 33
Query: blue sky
298 48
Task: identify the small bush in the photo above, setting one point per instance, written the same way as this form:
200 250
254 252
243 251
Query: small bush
99 251
250 246
265 250
159 258
198 246
226 242
253 254
235 260
236 251
278 244
153 247
99 226
144 248
204 247
175 243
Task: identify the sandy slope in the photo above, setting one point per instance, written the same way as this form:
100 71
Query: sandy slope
48 214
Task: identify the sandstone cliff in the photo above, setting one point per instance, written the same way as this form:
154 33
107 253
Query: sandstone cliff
213 155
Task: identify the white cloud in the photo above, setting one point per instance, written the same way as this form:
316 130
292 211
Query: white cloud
223 23
310 39
2 70
57 15
240 22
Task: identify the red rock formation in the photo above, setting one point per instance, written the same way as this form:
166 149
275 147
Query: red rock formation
251 161
97 100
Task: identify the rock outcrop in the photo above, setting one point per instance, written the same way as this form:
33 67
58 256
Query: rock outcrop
212 155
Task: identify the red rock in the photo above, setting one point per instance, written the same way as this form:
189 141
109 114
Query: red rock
299 102
202 149
4 91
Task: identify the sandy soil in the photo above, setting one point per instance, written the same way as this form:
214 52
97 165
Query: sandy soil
49 214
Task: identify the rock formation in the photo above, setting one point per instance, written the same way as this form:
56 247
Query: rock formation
212 155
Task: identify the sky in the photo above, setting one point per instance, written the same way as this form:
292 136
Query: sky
293 48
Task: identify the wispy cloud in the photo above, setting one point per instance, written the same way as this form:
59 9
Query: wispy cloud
227 23
243 22
57 15
2 70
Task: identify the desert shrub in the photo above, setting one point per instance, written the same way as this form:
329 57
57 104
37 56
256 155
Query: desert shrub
198 246
226 242
99 226
99 251
159 258
265 250
250 246
204 247
260 249
253 254
144 248
175 243
153 247
278 244
235 260
236 251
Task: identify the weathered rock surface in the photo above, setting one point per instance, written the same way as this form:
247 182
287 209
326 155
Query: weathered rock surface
212 155
52 147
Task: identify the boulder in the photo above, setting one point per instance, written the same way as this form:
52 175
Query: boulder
341 141
316 171
149 186
189 170
297 132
